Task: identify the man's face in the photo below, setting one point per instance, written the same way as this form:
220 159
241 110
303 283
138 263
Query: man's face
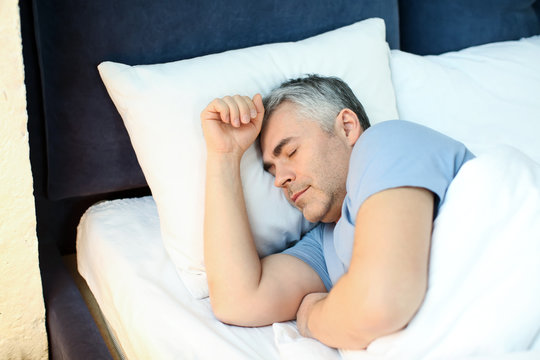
309 164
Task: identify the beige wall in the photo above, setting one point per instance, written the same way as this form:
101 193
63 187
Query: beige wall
22 312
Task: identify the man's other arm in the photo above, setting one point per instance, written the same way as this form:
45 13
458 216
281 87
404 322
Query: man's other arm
387 279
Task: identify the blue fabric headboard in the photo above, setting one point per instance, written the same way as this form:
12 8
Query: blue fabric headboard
430 27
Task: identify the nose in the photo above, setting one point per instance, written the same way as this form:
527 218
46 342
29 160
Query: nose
284 175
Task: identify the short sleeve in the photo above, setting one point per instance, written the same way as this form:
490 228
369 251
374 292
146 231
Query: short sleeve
309 249
395 154
401 153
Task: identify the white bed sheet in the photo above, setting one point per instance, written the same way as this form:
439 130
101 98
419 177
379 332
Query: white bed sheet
121 256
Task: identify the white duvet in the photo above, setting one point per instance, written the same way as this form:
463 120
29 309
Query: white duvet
483 299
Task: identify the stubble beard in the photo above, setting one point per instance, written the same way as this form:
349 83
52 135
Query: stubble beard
325 207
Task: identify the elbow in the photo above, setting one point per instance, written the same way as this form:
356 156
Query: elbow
223 303
374 324
395 308
234 310
385 320
381 319
227 313
225 308
249 311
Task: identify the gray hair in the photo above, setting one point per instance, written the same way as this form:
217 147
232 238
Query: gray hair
318 99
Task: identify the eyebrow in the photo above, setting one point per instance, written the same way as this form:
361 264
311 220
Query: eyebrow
277 150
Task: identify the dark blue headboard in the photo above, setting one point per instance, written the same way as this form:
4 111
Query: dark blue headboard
430 27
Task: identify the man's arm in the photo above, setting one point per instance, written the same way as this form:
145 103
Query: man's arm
243 289
387 279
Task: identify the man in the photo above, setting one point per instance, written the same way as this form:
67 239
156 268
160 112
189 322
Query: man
360 274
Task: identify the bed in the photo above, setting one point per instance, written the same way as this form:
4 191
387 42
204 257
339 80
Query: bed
113 88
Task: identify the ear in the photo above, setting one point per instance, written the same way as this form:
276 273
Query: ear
348 125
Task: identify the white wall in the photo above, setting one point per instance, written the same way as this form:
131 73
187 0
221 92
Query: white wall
22 311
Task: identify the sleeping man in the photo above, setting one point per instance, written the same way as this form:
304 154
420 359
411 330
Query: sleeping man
374 190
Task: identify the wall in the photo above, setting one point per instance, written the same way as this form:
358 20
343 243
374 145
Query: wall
22 311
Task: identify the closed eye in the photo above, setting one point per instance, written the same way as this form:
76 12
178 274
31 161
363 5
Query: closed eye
269 168
292 152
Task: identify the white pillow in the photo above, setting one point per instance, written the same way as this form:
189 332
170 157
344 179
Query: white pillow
483 96
160 105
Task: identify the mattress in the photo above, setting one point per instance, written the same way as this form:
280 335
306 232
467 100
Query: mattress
149 311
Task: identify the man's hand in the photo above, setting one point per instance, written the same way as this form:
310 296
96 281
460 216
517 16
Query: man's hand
231 124
304 311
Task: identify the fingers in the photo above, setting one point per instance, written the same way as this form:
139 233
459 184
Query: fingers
259 107
251 108
236 110
258 103
217 109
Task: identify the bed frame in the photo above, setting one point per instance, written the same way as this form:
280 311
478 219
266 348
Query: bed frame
79 149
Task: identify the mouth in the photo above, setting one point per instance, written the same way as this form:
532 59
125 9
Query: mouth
295 196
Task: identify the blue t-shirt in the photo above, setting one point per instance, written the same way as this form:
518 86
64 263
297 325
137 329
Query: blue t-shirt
387 155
